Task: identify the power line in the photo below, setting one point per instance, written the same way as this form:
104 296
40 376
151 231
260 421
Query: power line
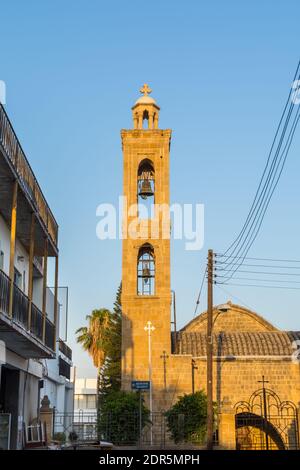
263 286
266 203
233 296
200 292
258 259
261 272
257 221
263 280
276 266
254 204
267 186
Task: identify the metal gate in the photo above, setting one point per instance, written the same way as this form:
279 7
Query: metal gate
266 423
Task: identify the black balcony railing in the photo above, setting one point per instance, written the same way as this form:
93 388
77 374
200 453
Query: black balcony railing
21 310
64 368
20 306
36 322
27 179
64 348
4 292
49 335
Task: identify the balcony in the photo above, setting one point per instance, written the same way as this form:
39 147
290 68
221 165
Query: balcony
14 330
15 166
64 348
64 368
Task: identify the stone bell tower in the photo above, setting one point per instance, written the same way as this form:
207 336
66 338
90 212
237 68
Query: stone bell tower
146 293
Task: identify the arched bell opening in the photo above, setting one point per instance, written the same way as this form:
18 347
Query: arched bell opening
145 188
146 119
146 270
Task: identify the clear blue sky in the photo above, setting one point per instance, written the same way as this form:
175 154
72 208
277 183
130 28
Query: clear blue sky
220 72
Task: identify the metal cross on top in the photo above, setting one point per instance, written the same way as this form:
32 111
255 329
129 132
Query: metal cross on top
145 89
263 381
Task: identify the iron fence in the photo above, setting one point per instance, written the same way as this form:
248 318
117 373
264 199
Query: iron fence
126 430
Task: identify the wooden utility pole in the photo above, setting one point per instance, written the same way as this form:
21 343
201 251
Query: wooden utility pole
209 350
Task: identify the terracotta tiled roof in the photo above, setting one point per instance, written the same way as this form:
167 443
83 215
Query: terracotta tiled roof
266 343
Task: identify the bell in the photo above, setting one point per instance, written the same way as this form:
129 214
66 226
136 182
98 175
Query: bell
146 190
146 273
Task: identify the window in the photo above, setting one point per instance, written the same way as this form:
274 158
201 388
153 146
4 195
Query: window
146 270
85 402
18 278
90 402
1 260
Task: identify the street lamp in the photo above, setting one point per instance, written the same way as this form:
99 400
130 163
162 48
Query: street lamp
149 328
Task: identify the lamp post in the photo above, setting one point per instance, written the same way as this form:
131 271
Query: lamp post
149 328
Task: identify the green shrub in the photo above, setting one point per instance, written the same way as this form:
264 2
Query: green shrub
187 418
60 437
119 417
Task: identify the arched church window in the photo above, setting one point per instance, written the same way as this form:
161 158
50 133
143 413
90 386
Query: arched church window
145 187
146 270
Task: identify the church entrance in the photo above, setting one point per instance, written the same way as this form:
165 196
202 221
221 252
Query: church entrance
266 423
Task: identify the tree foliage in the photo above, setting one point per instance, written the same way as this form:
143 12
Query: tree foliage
187 418
101 338
94 337
119 417
111 371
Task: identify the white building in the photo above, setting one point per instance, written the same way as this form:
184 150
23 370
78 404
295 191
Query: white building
37 361
85 408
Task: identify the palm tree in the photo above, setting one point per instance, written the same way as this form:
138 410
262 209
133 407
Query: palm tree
93 339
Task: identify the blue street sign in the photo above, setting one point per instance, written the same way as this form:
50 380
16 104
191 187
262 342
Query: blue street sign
140 385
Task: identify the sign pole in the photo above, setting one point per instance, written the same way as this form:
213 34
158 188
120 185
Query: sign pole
140 386
149 328
140 418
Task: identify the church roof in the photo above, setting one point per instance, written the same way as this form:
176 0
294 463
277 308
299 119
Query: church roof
238 331
265 343
237 318
145 100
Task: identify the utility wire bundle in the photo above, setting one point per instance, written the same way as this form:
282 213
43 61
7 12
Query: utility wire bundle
259 272
235 255
227 264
